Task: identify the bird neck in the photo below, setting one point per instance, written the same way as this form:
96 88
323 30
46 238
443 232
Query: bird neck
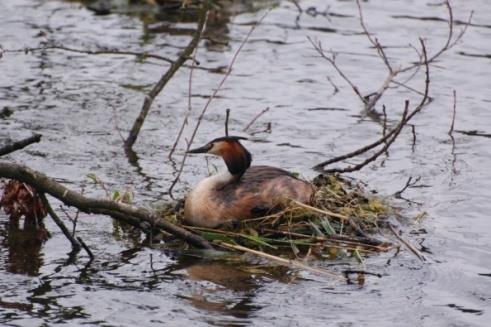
237 159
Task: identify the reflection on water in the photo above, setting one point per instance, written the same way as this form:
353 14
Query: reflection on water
23 242
173 17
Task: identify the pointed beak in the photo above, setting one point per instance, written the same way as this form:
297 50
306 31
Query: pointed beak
202 149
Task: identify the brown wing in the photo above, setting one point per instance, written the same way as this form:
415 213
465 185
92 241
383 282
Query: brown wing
260 190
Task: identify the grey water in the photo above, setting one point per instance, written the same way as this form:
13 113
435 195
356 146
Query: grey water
83 104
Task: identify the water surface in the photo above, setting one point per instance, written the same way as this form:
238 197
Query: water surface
79 102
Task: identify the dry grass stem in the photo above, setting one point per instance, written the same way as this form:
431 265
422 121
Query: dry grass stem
407 244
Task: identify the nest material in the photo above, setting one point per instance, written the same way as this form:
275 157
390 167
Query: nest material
338 223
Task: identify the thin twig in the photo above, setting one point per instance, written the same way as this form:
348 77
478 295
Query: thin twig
389 136
282 261
450 131
75 244
332 59
12 147
335 88
393 73
166 77
90 52
86 248
413 132
409 183
394 133
384 125
73 220
448 43
397 130
227 115
375 43
407 244
299 8
190 104
210 99
256 117
321 211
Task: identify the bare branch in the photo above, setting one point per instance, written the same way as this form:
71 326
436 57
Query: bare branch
227 115
256 117
413 132
393 73
190 105
76 246
166 77
409 183
388 139
384 149
375 43
450 131
448 42
138 217
407 244
86 248
332 61
12 147
299 8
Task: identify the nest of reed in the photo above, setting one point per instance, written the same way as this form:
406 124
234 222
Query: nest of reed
339 223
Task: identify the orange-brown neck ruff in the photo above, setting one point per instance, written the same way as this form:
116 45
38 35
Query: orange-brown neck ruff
236 157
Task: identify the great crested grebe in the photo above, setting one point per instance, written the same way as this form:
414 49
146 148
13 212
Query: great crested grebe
240 192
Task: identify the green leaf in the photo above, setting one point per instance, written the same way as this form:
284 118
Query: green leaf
316 229
93 177
326 225
258 240
210 236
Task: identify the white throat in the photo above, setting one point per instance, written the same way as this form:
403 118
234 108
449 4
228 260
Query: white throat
219 179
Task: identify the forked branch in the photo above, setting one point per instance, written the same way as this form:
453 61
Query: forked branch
389 137
393 73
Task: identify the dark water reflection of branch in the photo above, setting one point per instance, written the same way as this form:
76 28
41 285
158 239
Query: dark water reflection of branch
133 160
24 248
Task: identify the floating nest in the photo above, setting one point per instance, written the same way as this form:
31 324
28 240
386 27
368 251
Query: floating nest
340 222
